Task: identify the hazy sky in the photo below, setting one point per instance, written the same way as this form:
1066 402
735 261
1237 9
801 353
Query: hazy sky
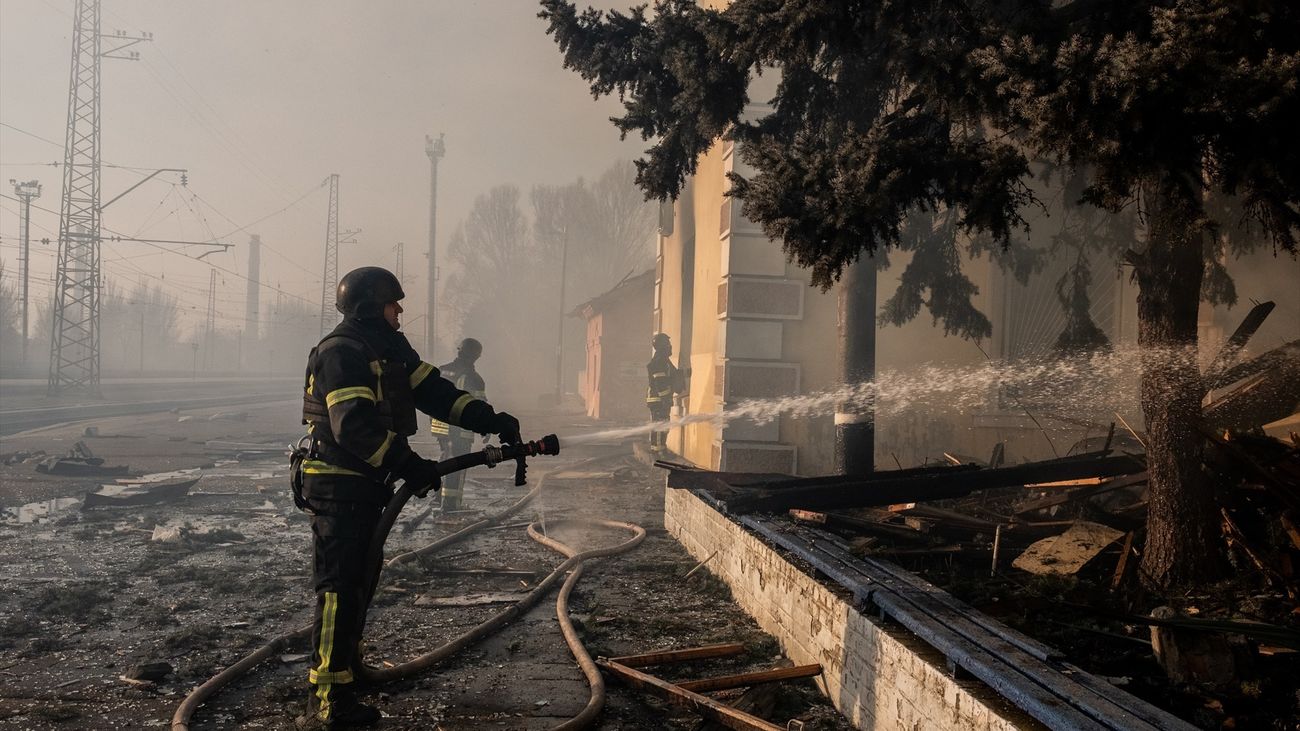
261 101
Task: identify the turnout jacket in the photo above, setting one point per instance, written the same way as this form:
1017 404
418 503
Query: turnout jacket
363 385
466 378
665 379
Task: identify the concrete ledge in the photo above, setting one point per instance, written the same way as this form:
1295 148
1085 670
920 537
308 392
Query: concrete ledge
641 451
879 678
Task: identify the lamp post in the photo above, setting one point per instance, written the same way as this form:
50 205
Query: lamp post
27 191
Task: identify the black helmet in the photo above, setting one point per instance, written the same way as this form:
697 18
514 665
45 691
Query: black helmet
470 349
364 292
661 341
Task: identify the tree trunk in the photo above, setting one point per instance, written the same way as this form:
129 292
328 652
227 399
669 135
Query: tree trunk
1183 540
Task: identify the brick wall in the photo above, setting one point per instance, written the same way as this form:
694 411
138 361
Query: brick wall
880 678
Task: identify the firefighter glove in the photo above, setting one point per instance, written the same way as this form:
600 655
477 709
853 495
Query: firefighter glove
422 475
506 427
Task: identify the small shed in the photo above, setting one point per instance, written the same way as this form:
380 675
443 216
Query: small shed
619 328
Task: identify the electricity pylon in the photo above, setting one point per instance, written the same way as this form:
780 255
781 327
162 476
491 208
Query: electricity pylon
74 341
328 315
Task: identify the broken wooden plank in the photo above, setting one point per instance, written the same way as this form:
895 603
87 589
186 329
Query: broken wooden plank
469 600
845 491
889 530
1249 325
1122 567
759 700
1271 360
663 657
1051 501
745 680
515 573
701 704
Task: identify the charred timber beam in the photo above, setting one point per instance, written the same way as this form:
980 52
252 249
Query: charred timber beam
744 680
1273 359
701 704
1240 336
693 478
664 657
849 493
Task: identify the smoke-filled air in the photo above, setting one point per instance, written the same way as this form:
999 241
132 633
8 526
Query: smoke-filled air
555 364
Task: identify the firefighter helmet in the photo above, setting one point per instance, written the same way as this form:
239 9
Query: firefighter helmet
364 292
661 341
469 349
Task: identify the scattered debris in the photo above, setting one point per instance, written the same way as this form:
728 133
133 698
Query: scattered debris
1067 553
167 534
27 455
468 600
1190 656
80 462
151 494
149 671
687 694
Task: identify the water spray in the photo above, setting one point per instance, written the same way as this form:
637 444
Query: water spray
1100 383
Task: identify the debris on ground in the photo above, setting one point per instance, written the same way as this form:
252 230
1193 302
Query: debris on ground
688 694
26 455
1067 553
80 462
131 495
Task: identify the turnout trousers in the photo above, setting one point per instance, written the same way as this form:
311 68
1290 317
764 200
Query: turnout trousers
659 411
453 485
345 585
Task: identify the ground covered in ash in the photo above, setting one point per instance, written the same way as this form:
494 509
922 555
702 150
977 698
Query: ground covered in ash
177 592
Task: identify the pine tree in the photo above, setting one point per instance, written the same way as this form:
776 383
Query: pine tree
887 109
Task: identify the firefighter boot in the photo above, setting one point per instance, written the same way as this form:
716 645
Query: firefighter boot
335 707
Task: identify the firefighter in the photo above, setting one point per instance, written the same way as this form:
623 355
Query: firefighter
364 383
665 381
453 440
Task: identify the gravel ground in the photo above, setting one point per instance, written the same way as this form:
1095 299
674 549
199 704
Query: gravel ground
96 595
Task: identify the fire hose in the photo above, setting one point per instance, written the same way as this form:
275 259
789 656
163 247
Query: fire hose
573 564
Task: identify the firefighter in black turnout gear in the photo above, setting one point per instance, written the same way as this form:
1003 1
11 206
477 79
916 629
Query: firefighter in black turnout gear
665 381
364 383
453 440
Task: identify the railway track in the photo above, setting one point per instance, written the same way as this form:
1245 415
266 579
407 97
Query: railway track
20 419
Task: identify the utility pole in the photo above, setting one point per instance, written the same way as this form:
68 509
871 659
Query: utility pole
401 270
330 281
27 191
252 299
559 343
74 341
210 331
435 149
855 423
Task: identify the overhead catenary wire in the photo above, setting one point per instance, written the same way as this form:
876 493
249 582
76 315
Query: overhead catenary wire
265 285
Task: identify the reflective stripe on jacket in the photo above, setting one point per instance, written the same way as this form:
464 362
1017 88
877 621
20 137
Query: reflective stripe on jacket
362 387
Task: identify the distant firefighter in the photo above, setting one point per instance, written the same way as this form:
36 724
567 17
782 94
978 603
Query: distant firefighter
665 381
364 383
453 440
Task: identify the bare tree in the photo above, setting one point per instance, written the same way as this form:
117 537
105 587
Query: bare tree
607 228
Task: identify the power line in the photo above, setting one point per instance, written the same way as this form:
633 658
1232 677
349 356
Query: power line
129 168
187 256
